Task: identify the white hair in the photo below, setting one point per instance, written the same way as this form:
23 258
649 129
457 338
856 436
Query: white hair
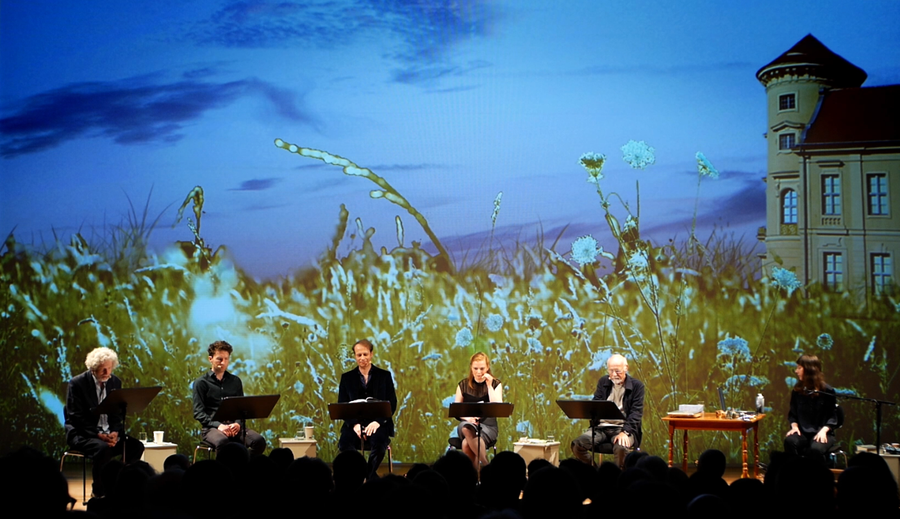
99 356
616 356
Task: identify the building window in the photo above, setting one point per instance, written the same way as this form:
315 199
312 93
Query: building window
834 271
787 102
882 273
786 141
878 194
831 195
789 207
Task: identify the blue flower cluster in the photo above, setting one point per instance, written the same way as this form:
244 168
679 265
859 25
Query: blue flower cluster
736 348
786 279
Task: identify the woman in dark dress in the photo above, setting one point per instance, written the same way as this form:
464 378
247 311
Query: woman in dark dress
813 417
479 386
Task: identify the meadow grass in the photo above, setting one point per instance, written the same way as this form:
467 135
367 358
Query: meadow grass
548 324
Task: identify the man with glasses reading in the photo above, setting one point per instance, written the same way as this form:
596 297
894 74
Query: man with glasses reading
628 395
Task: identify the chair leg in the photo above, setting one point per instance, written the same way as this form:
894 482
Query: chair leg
390 460
83 480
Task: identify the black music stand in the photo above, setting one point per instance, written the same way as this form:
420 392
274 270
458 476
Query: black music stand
134 399
363 411
479 410
593 410
243 408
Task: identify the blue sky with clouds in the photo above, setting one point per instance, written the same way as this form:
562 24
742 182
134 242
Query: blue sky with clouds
451 101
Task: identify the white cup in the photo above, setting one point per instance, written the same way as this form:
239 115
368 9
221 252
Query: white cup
157 436
308 432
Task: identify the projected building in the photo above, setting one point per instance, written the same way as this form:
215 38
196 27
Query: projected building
833 181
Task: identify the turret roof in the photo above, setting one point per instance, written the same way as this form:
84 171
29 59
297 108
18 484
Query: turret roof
812 54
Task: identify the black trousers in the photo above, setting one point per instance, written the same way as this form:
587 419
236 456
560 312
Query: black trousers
377 445
255 443
100 453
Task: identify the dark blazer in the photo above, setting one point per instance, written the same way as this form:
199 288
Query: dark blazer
80 399
380 387
632 403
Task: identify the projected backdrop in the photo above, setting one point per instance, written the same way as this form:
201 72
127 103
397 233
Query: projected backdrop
549 183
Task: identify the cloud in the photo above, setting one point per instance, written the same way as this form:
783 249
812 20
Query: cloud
419 35
406 167
131 111
677 70
257 184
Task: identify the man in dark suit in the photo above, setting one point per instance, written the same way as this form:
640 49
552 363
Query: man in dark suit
367 381
628 394
99 437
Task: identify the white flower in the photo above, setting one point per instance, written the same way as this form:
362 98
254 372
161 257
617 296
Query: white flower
638 260
638 154
705 168
585 250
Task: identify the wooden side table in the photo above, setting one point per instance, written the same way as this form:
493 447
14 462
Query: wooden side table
709 422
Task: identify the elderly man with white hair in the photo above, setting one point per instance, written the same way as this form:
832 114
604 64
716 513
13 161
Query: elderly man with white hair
619 436
98 437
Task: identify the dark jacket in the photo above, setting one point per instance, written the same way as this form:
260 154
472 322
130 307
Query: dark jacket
632 403
380 387
812 412
81 398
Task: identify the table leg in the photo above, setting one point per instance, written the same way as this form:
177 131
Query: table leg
671 442
684 452
756 450
744 472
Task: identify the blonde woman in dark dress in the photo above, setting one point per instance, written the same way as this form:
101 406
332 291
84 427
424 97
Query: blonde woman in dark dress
479 386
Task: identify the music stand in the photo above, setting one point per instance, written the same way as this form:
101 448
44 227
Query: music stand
242 408
480 410
364 411
134 399
593 410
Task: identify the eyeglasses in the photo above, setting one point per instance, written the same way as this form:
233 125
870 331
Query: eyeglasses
615 371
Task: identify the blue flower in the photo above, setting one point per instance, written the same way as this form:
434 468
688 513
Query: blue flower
593 163
464 337
783 278
433 356
585 250
494 322
705 168
638 154
736 348
535 345
298 387
825 341
870 351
